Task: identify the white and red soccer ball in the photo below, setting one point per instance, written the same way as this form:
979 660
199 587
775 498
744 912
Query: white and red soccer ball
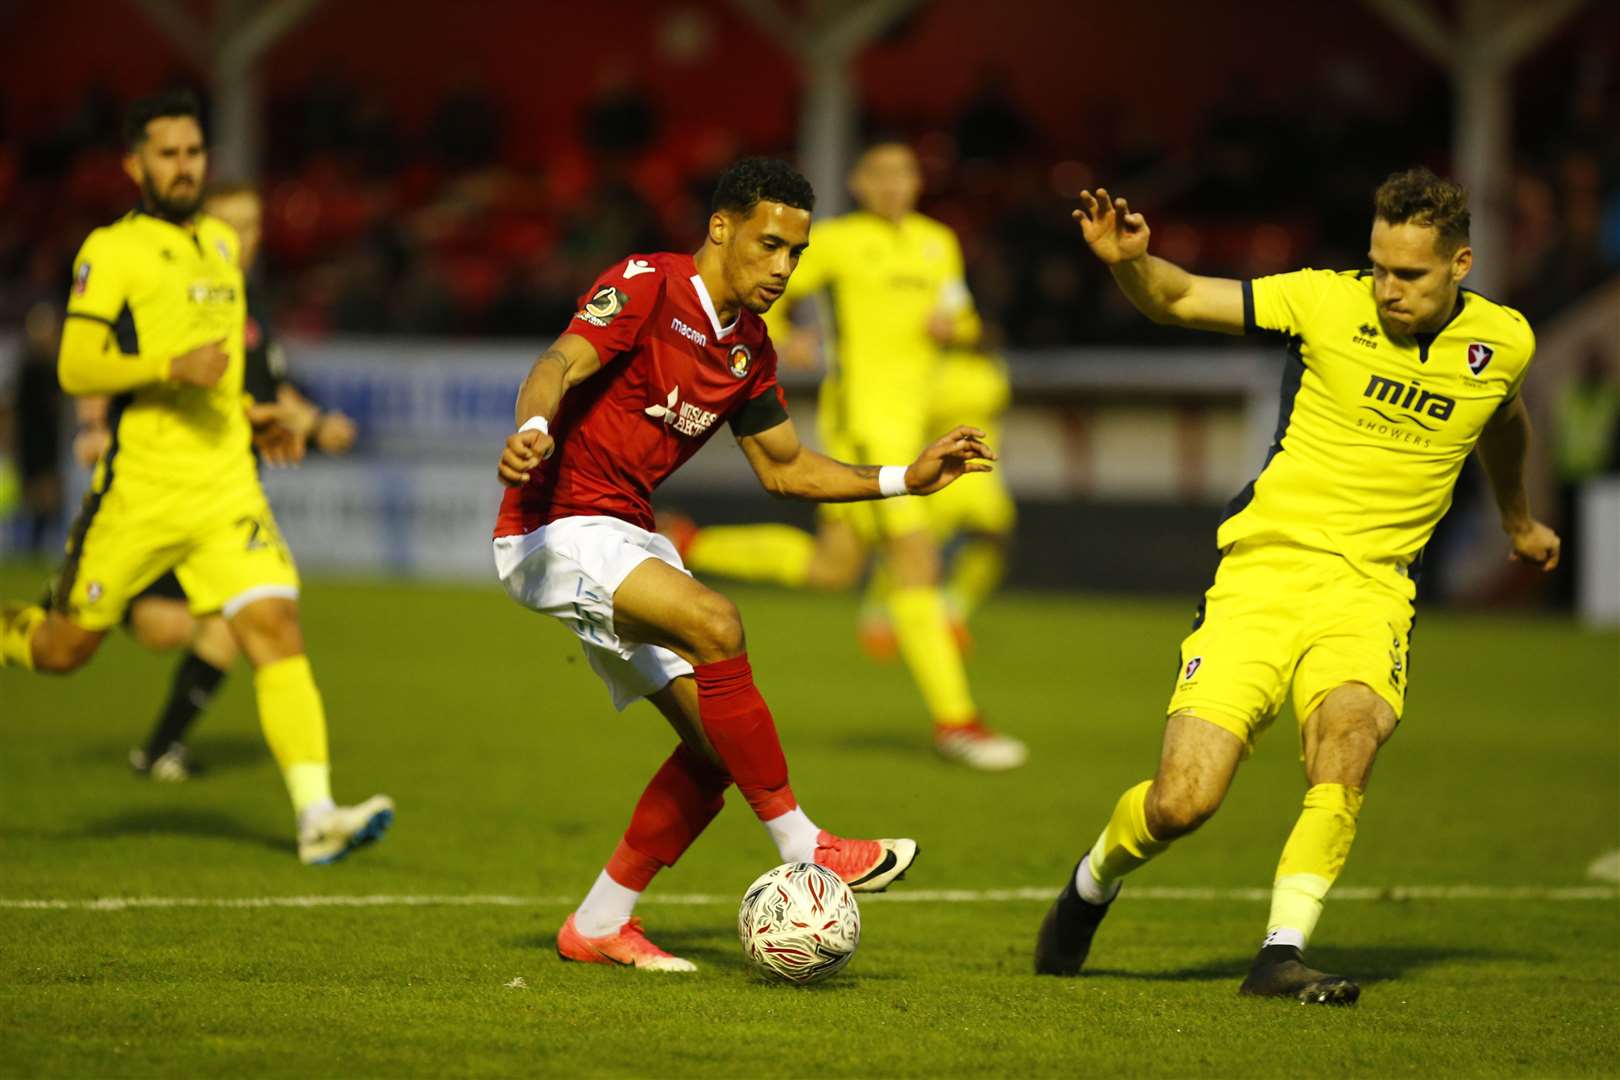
799 922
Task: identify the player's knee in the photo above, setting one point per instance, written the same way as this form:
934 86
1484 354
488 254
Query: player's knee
914 560
268 630
1175 809
717 629
214 643
1343 735
834 573
161 624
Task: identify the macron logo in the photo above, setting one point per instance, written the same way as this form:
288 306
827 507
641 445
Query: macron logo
689 334
637 266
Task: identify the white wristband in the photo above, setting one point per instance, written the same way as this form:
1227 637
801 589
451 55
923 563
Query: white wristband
892 481
537 423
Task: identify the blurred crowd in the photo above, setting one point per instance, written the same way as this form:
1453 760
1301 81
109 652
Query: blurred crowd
376 227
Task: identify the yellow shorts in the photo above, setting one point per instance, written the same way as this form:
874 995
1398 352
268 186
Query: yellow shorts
1279 616
978 504
893 435
226 557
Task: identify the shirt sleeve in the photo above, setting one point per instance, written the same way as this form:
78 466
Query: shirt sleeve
954 297
613 314
1524 368
766 406
100 282
1284 303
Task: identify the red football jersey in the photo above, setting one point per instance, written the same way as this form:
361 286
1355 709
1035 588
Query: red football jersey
670 374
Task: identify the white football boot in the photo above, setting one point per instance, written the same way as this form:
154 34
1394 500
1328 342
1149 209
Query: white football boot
979 747
329 836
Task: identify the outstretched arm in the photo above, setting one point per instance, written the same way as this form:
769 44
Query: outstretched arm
790 470
1160 289
570 361
1503 447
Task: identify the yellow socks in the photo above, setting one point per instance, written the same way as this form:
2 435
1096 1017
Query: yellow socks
976 572
773 554
17 625
924 633
294 723
1311 861
1125 843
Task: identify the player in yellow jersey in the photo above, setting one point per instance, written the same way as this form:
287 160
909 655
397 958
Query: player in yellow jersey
1394 375
973 528
155 320
892 281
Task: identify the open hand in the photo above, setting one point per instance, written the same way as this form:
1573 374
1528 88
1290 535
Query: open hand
1535 544
1113 233
277 435
959 452
524 452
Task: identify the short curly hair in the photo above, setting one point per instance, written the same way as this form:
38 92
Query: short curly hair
169 103
1422 198
754 180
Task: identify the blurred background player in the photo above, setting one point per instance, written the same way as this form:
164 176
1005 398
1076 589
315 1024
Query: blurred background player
38 409
155 320
972 524
1395 374
896 300
160 616
663 349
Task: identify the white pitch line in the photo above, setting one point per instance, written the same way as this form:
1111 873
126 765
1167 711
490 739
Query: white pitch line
1393 893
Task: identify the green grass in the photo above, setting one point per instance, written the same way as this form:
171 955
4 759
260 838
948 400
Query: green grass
514 776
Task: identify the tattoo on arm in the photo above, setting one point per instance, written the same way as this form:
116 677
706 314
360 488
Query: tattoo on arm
869 472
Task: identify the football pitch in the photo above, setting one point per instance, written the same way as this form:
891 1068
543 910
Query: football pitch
169 930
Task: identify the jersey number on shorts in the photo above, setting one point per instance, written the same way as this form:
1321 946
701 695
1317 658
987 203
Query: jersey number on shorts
261 536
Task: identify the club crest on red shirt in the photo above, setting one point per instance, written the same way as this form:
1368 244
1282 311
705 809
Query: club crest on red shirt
252 334
739 360
1478 356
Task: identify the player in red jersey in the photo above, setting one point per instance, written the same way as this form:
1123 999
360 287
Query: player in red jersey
664 348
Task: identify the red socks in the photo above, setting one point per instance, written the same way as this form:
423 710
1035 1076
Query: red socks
740 728
686 792
682 798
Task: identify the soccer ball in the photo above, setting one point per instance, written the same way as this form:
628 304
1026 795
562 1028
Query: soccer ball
799 922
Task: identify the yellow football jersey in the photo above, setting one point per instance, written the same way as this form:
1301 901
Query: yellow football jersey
1374 427
882 281
164 289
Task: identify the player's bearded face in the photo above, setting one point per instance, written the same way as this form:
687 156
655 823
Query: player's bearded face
170 166
1414 278
762 251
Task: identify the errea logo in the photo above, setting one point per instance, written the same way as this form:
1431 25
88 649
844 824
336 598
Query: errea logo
1366 334
684 417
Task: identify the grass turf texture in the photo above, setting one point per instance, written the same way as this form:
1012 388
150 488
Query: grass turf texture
513 776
